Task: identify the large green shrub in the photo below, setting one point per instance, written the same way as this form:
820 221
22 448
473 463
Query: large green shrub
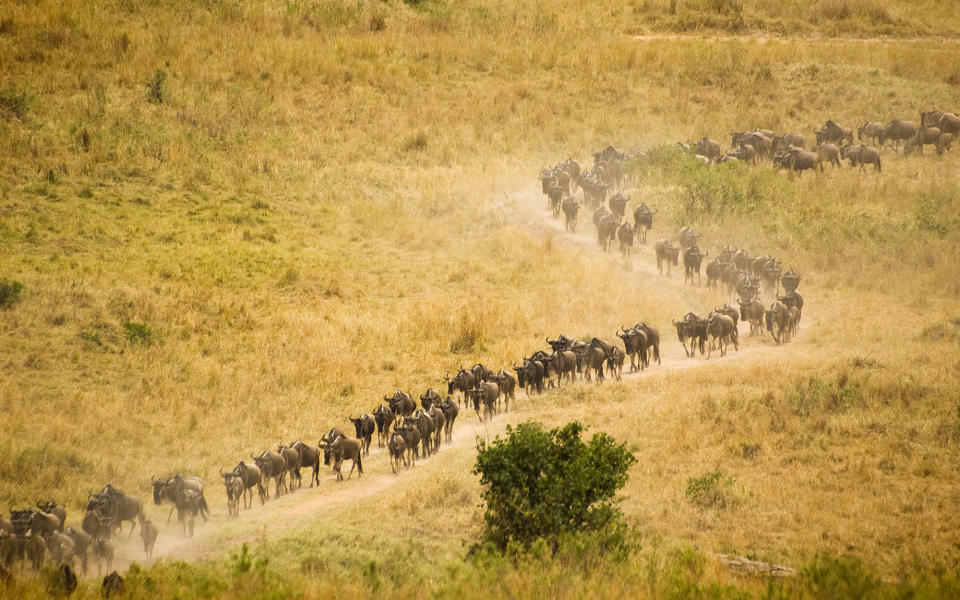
545 485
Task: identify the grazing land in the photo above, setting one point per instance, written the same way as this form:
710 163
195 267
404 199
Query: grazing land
230 225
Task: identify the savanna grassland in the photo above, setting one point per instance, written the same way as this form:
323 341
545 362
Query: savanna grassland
234 223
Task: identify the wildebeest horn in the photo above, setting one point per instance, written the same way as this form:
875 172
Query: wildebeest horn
220 469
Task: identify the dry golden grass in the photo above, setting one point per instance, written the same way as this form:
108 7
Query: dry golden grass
321 210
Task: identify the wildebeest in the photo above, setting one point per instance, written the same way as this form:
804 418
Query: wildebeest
897 130
59 546
666 253
365 425
250 475
755 139
342 449
944 142
52 508
81 543
411 438
485 394
188 507
309 456
606 229
401 404
570 206
625 235
777 320
397 447
234 489
692 328
832 132
148 533
721 330
118 507
692 257
508 386
425 424
561 343
429 398
450 412
752 312
95 525
439 421
103 551
798 160
618 204
530 374
594 357
828 153
44 523
861 155
642 221
730 312
384 418
272 466
635 344
615 362
463 382
167 490
870 131
564 364
291 465
924 135
652 343
36 550
787 141
687 237
709 148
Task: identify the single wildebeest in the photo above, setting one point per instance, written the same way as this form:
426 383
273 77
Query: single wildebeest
148 533
721 330
666 253
344 449
861 155
777 322
384 418
81 543
439 421
309 456
167 490
615 362
411 438
508 386
687 237
450 412
486 394
897 130
291 465
651 343
606 230
463 382
401 404
425 424
798 160
365 426
188 507
692 257
756 140
481 373
618 204
832 132
752 312
250 475
112 586
52 508
944 142
730 312
565 364
828 153
561 343
642 221
709 148
397 447
594 359
103 551
633 343
429 398
570 206
625 235
94 525
118 507
530 375
870 131
272 466
924 135
44 523
787 141
234 490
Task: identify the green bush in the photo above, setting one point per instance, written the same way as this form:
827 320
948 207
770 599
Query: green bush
156 88
138 333
548 485
711 490
9 293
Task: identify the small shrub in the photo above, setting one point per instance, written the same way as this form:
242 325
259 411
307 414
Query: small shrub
138 333
835 396
9 293
711 490
840 577
749 451
156 88
13 103
545 485
416 143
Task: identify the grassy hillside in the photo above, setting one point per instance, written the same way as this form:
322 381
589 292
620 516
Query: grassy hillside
235 223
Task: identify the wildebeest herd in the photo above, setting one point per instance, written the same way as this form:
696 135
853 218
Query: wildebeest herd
834 143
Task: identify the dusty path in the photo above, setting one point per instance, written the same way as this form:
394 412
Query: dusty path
276 517
815 39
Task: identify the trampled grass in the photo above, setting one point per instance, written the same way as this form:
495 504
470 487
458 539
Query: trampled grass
236 223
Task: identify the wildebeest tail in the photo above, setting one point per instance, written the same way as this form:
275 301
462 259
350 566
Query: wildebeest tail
360 462
879 168
204 511
656 353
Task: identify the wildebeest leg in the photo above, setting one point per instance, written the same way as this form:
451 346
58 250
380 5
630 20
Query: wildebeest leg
169 516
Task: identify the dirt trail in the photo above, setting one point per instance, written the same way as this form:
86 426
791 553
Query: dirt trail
527 210
766 39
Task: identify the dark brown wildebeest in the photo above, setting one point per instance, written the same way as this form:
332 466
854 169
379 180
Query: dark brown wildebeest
570 206
642 221
425 424
606 230
44 523
635 343
594 358
758 141
52 508
508 386
861 155
651 345
401 404
625 235
309 456
365 425
897 130
565 364
118 507
439 422
291 465
188 507
751 311
384 417
398 448
411 439
103 551
561 343
777 322
450 412
832 132
250 475
692 257
944 142
485 394
272 466
463 381
730 312
429 398
687 237
95 525
693 328
342 449
798 160
721 330
618 204
167 490
666 253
